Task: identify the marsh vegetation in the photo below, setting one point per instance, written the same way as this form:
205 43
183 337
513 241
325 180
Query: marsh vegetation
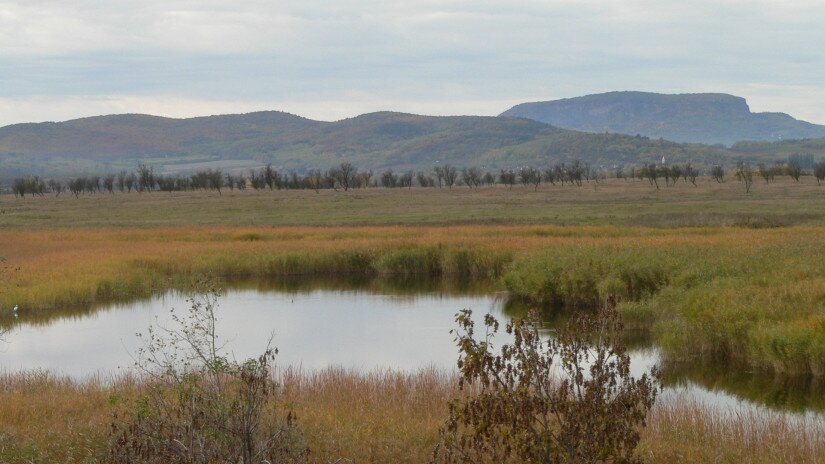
706 274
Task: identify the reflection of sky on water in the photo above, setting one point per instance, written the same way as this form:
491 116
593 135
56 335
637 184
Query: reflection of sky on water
313 329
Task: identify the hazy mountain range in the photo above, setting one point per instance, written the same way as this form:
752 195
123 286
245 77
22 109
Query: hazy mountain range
395 140
695 118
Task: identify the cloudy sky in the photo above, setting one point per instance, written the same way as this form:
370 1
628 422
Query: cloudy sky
337 58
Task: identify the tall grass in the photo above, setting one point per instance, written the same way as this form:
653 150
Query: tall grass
757 297
753 295
380 417
48 269
685 430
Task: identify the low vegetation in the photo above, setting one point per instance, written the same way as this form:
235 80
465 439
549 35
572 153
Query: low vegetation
380 417
200 405
614 202
749 294
758 301
707 271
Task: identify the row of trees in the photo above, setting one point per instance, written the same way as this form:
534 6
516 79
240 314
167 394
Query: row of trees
346 176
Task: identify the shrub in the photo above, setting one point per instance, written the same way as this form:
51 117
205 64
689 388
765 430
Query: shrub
200 405
570 399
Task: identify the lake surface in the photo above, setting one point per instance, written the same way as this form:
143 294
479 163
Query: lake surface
352 325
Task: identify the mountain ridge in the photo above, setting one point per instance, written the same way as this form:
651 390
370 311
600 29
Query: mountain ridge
709 118
378 140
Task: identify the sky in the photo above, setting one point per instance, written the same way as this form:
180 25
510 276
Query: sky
334 59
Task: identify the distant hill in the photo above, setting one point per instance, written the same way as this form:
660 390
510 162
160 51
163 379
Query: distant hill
708 118
371 141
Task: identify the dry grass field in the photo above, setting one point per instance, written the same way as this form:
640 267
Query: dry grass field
612 202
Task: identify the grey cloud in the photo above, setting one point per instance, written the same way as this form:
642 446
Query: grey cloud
445 56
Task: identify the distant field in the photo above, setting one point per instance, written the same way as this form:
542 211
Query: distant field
614 202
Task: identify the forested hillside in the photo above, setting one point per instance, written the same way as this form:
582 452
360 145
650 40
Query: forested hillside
371 141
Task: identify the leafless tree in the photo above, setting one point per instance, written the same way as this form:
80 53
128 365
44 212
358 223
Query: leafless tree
471 176
718 173
744 173
819 172
450 175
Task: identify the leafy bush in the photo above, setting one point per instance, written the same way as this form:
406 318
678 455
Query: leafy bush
570 399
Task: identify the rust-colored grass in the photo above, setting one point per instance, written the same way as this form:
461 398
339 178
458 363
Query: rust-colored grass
52 268
381 417
751 294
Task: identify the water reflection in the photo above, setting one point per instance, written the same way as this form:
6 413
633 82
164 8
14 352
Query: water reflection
798 394
356 322
372 327
715 380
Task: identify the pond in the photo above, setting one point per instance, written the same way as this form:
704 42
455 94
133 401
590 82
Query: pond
358 325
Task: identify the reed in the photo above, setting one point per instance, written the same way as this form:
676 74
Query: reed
379 417
756 296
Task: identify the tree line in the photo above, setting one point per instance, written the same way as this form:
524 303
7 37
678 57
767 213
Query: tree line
346 176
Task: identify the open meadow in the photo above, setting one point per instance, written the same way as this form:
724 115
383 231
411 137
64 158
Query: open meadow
709 274
609 202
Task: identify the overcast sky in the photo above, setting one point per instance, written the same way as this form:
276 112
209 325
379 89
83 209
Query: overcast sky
338 58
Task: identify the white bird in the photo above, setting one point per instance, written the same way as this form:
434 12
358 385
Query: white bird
15 308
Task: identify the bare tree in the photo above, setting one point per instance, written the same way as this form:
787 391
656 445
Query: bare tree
424 180
819 172
109 183
439 174
529 176
507 177
315 179
145 178
345 175
765 172
651 173
389 179
718 173
794 167
406 180
691 173
471 176
450 175
56 187
744 173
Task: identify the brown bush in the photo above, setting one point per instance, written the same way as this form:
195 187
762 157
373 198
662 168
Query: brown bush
200 406
569 399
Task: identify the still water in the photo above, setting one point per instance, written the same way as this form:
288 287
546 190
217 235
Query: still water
354 326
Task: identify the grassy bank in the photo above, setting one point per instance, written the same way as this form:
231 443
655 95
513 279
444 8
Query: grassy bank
756 297
379 417
51 269
753 295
